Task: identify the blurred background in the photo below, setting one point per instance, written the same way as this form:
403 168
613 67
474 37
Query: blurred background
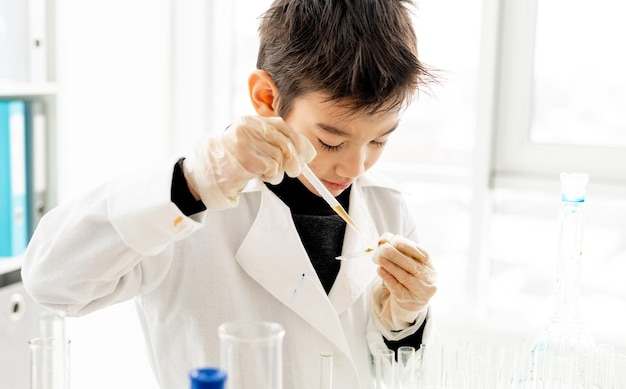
529 89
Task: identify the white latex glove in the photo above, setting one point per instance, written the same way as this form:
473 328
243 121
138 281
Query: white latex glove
255 146
408 282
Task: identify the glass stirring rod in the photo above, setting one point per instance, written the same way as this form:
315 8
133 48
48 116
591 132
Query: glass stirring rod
330 199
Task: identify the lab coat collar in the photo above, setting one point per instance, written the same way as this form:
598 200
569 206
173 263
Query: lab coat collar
273 255
356 274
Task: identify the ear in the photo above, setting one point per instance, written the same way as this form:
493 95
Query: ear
263 93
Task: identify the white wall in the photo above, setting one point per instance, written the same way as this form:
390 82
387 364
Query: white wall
114 89
114 112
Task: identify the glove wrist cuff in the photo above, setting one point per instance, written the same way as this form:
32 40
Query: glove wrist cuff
201 170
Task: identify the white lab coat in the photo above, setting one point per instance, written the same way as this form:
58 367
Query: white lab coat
190 274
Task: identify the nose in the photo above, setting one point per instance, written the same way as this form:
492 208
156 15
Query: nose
352 165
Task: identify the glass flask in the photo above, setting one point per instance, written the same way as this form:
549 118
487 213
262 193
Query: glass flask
251 354
560 354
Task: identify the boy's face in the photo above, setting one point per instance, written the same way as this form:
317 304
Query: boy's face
347 143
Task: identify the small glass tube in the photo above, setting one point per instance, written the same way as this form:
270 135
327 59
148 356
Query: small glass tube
420 365
52 324
326 370
49 363
385 369
620 371
407 367
450 364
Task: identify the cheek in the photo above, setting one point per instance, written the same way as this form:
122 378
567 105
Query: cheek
323 161
373 156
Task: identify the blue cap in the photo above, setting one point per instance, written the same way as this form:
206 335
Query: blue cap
573 187
207 378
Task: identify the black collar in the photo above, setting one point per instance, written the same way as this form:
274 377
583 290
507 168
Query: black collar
302 201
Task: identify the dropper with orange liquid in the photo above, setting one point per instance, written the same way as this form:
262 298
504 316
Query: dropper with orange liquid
339 210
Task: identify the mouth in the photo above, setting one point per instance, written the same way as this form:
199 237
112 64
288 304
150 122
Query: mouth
336 186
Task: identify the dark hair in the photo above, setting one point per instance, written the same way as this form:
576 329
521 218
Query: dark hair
362 53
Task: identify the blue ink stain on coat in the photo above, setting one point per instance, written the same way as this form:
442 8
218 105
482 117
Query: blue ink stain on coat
295 290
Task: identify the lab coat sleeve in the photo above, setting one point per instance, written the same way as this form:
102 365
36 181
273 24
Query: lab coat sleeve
376 342
112 244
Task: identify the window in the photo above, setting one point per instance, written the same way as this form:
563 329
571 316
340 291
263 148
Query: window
562 89
579 83
561 93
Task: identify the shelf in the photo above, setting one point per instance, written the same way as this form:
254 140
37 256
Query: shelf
24 89
9 264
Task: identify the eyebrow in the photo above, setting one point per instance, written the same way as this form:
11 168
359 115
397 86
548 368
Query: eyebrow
336 131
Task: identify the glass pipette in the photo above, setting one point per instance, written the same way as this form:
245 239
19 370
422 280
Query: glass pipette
326 195
334 204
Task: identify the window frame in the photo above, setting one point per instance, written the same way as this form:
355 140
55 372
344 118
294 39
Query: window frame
517 160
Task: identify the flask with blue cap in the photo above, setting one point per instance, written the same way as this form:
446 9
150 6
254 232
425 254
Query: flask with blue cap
562 352
207 378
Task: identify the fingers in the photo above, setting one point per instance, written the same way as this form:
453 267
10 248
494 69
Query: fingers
299 150
268 148
406 270
402 284
402 252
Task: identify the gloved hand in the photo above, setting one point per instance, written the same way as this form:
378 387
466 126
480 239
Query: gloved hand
255 146
408 282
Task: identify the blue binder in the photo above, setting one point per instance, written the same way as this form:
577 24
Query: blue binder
13 205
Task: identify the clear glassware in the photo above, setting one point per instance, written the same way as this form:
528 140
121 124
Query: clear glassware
620 371
386 369
49 363
326 370
565 345
50 353
427 366
407 367
52 324
251 354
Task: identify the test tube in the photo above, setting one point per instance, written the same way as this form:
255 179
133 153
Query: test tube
385 369
420 364
49 353
49 366
52 324
326 370
508 365
449 364
601 367
407 367
620 371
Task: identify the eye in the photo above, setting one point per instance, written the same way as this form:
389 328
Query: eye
328 147
379 144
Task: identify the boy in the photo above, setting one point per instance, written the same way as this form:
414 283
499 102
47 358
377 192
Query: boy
234 231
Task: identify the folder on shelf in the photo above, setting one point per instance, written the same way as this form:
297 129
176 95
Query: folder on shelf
13 203
36 163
